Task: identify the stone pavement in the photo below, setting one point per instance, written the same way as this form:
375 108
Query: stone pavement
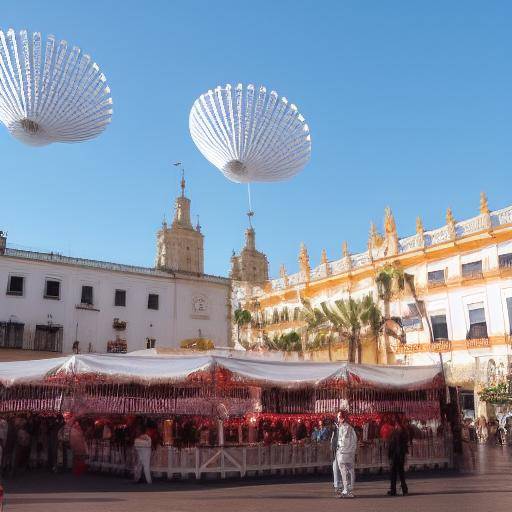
489 488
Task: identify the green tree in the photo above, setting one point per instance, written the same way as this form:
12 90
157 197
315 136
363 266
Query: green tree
314 318
242 317
389 280
287 342
349 317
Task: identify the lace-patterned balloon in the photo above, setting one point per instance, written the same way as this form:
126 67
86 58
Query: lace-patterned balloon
250 134
50 92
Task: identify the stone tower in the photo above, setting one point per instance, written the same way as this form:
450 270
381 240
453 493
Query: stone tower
251 265
180 247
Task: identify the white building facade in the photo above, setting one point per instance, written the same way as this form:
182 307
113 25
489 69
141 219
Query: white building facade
49 302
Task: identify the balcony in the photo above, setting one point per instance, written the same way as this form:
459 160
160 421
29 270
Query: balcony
441 346
410 348
472 274
471 271
474 343
505 264
477 336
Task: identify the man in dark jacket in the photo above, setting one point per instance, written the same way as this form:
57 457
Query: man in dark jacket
397 451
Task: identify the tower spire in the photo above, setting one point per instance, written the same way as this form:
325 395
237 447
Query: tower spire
250 214
179 165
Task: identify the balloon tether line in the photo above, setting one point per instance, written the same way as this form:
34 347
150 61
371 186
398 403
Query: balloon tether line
250 213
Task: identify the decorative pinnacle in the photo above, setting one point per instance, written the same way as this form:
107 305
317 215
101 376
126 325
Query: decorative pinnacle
389 221
324 257
484 205
198 226
449 216
419 225
344 249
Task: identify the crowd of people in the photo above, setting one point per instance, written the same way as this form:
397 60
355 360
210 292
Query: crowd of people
60 442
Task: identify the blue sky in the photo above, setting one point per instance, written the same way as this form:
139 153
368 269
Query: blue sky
408 102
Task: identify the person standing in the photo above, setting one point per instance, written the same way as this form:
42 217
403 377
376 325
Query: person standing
397 451
142 445
343 445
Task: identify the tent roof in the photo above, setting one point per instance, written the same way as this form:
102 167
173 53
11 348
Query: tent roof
147 370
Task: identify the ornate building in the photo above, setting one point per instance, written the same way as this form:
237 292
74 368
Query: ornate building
180 247
251 265
458 303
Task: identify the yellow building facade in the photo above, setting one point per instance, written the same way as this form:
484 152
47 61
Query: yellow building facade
458 307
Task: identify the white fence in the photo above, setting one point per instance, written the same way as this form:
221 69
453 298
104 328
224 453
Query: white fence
251 460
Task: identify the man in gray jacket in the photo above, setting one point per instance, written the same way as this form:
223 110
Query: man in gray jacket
343 445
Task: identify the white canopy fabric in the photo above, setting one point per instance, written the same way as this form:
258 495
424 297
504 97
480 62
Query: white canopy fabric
394 376
147 369
282 372
24 372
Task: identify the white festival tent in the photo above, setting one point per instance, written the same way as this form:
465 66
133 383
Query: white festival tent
161 369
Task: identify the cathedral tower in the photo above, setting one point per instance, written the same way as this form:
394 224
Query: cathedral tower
180 247
251 265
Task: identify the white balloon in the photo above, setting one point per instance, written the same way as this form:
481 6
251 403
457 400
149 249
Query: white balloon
250 135
50 93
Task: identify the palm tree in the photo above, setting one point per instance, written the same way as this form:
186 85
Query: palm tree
372 318
389 280
242 317
420 305
314 318
349 317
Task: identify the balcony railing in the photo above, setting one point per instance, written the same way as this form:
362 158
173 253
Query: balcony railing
410 348
441 346
473 343
472 274
437 281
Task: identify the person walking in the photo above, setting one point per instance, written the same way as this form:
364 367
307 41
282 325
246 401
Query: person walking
343 445
142 445
397 451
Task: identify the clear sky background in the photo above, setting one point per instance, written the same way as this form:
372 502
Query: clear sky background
408 102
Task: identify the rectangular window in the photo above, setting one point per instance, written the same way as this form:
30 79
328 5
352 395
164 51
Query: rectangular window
412 317
477 323
436 277
505 260
473 269
120 298
509 309
152 301
15 285
87 295
439 327
52 289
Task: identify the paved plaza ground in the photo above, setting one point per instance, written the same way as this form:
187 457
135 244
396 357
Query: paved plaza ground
489 488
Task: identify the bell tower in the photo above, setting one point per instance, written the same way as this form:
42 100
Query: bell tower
180 247
251 265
